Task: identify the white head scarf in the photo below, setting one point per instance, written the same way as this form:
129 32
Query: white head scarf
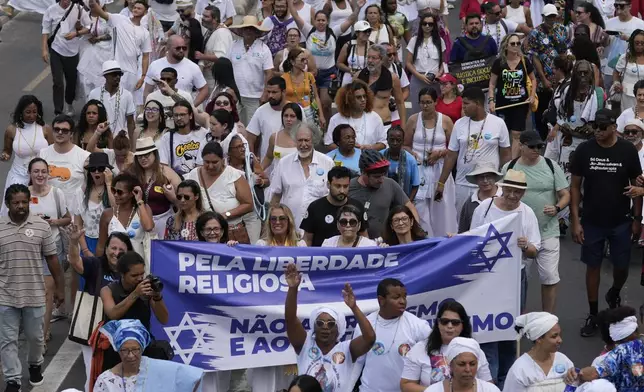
600 385
460 345
623 329
536 324
340 320
225 144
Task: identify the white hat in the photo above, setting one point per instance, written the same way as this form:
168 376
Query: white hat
362 25
145 146
635 121
549 9
515 179
111 66
183 3
482 168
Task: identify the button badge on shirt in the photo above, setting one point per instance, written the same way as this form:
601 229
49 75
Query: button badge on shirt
328 219
314 353
29 233
378 348
560 368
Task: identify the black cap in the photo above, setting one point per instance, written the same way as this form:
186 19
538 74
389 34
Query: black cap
605 116
530 138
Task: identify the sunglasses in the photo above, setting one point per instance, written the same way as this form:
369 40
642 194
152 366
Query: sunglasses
275 219
516 43
536 147
633 132
348 222
325 324
99 169
495 13
222 103
64 131
118 192
580 12
428 24
184 197
600 126
455 322
184 48
391 54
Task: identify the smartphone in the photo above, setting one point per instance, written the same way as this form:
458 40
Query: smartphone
46 217
612 32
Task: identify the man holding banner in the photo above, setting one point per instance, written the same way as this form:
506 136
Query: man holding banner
473 45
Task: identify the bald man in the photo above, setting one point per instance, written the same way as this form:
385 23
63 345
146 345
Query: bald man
189 74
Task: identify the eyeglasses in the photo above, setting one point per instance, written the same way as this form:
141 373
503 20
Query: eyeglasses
455 322
99 169
211 230
536 147
151 110
348 222
428 24
633 132
118 192
638 43
402 220
275 219
184 197
322 324
180 114
486 177
516 43
184 48
64 131
133 351
222 103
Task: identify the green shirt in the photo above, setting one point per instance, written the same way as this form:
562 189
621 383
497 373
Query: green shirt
542 190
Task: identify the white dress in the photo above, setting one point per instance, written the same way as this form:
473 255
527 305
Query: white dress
436 218
526 375
481 386
94 55
134 231
110 382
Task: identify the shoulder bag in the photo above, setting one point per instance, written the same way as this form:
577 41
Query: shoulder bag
88 313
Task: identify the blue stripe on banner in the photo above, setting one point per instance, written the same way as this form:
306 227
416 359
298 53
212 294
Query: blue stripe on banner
226 304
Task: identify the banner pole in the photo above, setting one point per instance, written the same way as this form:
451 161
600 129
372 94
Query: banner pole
518 353
512 105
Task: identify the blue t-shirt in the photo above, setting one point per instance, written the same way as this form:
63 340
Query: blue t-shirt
412 177
341 160
458 51
91 266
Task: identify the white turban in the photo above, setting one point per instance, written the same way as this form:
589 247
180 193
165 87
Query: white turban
340 320
536 324
225 144
600 385
460 345
623 329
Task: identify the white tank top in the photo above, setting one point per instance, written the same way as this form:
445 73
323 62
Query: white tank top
134 231
429 139
340 15
515 14
381 36
26 145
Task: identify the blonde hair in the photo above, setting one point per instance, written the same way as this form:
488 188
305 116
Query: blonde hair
503 53
291 236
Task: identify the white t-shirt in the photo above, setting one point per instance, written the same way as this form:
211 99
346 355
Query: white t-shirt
66 172
52 16
189 74
631 74
363 242
332 370
249 67
46 205
165 12
617 45
117 116
526 372
265 122
168 103
394 340
481 386
475 145
427 56
131 42
323 52
262 242
529 222
222 192
497 31
218 44
226 8
418 366
369 128
185 148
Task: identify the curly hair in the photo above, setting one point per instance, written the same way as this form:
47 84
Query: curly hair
345 98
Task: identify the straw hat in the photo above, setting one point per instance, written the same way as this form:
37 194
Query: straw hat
249 21
145 146
514 179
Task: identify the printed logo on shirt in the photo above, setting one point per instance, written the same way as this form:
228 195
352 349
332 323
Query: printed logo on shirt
182 149
338 358
29 233
314 353
512 83
378 348
338 163
604 165
34 200
61 173
403 349
637 369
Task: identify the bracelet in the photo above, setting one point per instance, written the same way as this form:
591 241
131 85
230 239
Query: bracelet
441 183
140 203
85 250
157 299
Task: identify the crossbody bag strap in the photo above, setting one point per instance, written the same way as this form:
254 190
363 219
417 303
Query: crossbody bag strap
203 185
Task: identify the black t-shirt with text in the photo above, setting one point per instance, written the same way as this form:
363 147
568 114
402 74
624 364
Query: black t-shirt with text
320 219
511 85
91 266
606 172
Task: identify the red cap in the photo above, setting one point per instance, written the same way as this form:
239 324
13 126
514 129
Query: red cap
377 165
448 78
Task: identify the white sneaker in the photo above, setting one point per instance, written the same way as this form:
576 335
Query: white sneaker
69 110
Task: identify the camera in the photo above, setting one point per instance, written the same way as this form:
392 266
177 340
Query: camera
392 104
155 283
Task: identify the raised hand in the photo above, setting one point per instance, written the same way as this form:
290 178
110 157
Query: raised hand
349 297
293 277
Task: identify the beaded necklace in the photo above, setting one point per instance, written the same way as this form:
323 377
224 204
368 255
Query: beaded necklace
476 142
116 108
498 32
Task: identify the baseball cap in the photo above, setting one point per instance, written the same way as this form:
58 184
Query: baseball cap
605 117
549 9
448 78
362 25
531 138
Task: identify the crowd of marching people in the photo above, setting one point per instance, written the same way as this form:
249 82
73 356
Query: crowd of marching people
291 127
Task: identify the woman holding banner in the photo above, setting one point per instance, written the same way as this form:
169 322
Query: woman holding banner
321 352
426 363
401 227
349 225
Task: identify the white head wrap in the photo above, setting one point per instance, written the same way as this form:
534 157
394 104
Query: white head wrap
340 320
225 144
460 345
536 324
623 329
600 385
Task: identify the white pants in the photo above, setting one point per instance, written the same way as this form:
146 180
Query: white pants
437 218
248 108
253 226
128 81
87 359
463 193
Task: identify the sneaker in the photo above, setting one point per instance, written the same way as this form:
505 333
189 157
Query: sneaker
35 375
590 327
613 298
12 386
69 110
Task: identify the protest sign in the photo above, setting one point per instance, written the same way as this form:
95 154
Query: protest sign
473 73
226 304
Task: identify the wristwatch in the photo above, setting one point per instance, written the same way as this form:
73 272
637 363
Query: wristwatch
557 208
227 214
638 218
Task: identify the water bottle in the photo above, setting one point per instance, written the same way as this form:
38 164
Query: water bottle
572 387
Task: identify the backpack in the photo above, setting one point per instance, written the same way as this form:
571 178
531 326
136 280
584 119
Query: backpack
472 52
277 38
548 161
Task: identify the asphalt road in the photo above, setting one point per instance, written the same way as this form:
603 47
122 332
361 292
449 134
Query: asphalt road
24 73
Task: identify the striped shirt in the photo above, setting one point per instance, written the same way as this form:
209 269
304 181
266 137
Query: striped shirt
22 248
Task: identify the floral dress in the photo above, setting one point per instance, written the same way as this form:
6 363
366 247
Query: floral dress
188 231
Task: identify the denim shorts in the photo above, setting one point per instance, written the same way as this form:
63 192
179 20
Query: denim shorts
323 78
619 241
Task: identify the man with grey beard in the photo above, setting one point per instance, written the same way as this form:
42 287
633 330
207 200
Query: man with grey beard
633 132
384 86
301 177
